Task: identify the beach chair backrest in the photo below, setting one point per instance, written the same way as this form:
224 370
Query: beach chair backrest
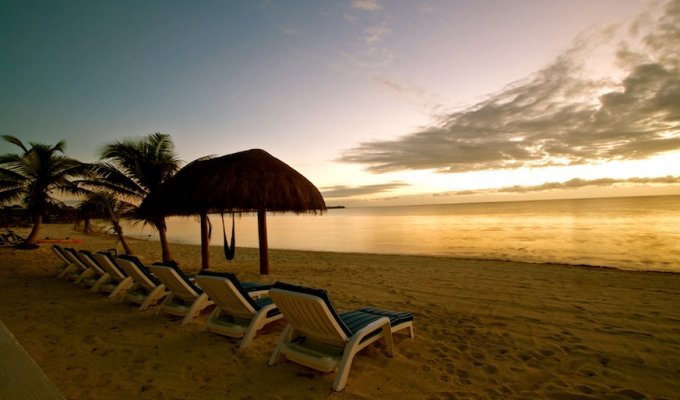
310 311
108 263
176 281
88 259
138 271
72 255
226 291
60 253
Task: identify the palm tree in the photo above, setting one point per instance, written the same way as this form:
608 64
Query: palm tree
132 168
33 176
107 205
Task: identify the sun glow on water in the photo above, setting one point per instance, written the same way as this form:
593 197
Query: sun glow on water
631 233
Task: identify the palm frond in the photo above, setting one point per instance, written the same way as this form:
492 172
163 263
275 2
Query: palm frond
15 141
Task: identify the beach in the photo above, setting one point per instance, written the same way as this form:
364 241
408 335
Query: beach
483 329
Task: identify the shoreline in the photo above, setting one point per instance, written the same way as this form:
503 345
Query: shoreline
483 329
561 264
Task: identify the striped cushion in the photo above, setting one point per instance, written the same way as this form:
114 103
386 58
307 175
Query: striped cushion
395 317
141 267
181 275
237 284
320 293
357 320
265 301
247 286
254 286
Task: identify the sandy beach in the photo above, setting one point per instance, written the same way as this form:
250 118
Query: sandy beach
483 330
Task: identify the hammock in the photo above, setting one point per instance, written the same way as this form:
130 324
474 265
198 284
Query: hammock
229 251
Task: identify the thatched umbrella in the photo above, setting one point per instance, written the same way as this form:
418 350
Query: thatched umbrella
248 181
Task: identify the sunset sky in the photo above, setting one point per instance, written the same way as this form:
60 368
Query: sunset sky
377 102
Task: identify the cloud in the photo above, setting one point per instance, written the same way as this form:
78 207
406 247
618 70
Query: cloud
375 34
368 52
411 93
352 191
575 183
557 116
366 5
289 30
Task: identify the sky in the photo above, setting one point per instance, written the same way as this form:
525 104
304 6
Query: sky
376 102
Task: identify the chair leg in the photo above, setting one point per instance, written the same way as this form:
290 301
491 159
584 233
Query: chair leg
67 270
343 368
102 280
156 294
389 341
214 315
352 348
122 286
86 274
200 303
285 338
255 324
167 299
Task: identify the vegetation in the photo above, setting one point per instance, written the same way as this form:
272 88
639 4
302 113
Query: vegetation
131 169
34 176
103 204
113 188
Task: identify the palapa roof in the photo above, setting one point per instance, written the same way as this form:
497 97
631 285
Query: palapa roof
246 181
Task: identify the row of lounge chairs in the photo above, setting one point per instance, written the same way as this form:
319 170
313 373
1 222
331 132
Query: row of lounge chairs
316 335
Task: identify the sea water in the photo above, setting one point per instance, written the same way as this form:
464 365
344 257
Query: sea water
635 233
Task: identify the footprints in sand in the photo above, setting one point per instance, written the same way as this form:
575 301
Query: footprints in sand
509 359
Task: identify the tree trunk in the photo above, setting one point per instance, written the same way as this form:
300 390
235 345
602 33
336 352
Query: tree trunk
87 226
205 242
121 237
35 232
262 233
162 234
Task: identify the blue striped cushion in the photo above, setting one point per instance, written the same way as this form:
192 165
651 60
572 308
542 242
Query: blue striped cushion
237 284
320 293
141 267
265 301
254 286
357 320
182 275
395 317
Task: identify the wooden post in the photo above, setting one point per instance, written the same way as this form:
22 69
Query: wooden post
205 242
262 234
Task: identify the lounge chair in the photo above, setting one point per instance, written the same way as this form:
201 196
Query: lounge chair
77 269
238 313
117 282
320 338
68 266
185 299
93 273
12 238
147 289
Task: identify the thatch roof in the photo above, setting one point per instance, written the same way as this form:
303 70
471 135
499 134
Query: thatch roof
246 181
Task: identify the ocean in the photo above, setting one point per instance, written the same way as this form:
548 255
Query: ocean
632 233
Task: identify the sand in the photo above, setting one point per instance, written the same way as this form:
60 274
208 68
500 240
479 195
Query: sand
484 330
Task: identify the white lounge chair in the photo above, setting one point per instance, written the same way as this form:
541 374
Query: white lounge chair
68 265
241 308
93 272
320 338
147 289
77 268
185 299
117 282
